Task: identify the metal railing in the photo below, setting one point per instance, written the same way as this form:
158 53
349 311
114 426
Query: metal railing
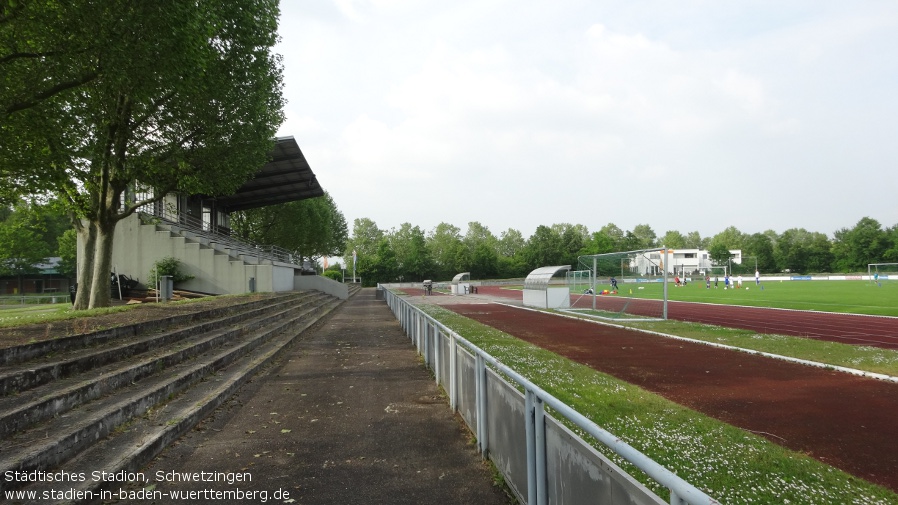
428 335
198 228
34 299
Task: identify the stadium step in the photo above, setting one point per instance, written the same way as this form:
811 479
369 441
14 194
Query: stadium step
74 408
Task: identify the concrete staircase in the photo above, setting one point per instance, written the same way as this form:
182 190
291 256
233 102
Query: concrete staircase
111 401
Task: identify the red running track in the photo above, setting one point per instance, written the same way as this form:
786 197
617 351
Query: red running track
841 419
874 331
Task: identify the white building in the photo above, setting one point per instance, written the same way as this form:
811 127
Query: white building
679 262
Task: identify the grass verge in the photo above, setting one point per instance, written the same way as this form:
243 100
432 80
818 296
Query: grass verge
733 466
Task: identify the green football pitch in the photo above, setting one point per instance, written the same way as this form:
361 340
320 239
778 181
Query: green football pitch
856 297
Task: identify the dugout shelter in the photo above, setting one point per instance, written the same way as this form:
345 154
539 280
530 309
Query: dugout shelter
546 288
461 284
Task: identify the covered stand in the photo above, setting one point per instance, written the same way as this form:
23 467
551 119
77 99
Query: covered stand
539 291
461 284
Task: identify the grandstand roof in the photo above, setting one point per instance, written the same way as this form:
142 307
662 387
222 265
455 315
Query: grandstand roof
287 177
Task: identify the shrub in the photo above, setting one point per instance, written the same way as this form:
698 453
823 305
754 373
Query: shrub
171 267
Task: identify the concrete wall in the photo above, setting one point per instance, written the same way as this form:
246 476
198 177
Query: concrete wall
138 246
321 283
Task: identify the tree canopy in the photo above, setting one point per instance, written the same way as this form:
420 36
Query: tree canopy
98 97
308 229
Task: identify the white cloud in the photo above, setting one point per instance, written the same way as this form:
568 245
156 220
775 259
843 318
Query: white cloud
569 105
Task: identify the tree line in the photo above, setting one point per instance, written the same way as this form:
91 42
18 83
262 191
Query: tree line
410 254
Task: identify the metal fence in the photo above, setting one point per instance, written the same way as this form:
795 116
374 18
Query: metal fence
34 299
542 461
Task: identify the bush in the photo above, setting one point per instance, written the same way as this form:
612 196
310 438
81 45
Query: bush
168 266
333 274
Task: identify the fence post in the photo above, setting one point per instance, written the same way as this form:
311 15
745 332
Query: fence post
480 400
531 446
437 344
539 438
453 374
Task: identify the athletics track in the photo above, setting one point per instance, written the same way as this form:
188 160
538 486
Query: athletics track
874 331
840 419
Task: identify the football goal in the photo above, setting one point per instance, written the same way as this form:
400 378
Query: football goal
716 275
878 272
628 285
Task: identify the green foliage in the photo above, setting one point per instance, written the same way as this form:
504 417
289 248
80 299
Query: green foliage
95 96
413 259
168 266
333 275
67 252
309 229
674 240
543 248
510 256
445 243
719 253
382 267
22 243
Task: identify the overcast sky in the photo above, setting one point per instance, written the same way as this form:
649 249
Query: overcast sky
689 116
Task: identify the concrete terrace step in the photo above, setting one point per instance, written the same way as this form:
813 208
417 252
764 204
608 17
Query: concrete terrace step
92 351
98 403
54 398
22 353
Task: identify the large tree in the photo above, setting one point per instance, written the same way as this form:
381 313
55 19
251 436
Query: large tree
673 239
308 229
444 243
856 247
544 248
97 97
413 261
22 245
759 252
361 251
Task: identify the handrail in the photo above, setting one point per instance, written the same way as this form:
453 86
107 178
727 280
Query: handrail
681 492
196 226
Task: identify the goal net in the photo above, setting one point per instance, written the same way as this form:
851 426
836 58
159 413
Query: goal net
714 275
621 285
879 272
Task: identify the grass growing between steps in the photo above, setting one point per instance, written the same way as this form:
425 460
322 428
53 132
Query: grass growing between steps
731 465
31 324
52 313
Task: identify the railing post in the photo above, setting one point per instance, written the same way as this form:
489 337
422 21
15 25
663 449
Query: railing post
482 398
453 374
480 401
437 344
531 446
425 330
539 428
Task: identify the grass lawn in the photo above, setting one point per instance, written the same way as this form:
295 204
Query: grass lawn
856 297
731 465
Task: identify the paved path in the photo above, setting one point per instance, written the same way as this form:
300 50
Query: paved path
348 415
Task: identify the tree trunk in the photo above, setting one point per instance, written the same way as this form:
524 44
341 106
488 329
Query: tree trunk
100 282
88 237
